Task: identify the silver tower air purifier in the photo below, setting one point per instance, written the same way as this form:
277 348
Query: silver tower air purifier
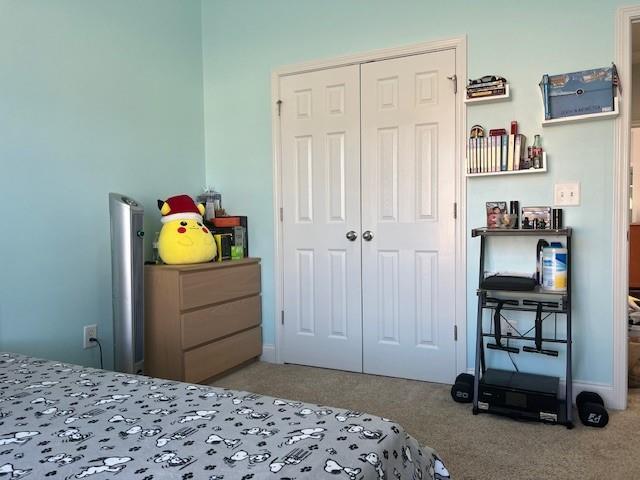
127 264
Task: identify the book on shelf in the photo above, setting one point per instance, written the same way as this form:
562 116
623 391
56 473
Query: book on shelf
492 154
510 149
505 146
519 151
497 153
486 89
495 83
486 153
545 96
472 155
489 92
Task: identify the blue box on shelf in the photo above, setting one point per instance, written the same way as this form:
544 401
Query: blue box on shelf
578 93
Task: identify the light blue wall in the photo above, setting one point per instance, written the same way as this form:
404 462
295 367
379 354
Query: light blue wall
95 96
244 40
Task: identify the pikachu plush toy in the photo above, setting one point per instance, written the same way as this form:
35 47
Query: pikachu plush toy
184 238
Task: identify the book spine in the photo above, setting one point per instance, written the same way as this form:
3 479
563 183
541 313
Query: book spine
492 159
486 93
487 88
510 151
492 154
505 143
473 156
497 83
523 150
545 96
472 144
487 158
520 151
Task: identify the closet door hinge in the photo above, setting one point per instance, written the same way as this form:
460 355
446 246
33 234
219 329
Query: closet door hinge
281 317
279 104
281 214
454 79
455 333
455 210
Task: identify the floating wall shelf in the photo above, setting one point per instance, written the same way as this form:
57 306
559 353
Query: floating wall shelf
514 172
490 99
581 118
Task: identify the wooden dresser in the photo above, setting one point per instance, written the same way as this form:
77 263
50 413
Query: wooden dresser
201 320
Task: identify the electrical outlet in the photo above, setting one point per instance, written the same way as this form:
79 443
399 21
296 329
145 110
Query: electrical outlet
567 194
90 331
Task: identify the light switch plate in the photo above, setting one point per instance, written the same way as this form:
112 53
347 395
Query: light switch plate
567 194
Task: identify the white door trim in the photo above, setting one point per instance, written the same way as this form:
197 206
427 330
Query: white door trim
459 44
619 235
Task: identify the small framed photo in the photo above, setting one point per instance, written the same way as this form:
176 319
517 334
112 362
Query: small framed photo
496 213
536 218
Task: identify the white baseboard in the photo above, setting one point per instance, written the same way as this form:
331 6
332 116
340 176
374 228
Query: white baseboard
605 391
268 353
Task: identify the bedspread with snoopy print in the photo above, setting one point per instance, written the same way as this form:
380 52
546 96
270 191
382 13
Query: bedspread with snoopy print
63 421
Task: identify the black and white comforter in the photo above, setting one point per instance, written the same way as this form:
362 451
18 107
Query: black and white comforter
64 421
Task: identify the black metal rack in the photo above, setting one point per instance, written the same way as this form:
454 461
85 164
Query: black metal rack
563 307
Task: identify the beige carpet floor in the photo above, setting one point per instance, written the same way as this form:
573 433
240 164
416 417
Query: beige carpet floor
473 447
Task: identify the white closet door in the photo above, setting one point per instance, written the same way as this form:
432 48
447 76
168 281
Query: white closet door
320 139
408 193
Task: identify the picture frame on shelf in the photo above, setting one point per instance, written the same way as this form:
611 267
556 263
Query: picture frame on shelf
536 218
498 217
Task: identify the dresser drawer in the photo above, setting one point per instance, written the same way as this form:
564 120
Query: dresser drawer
200 288
209 360
211 323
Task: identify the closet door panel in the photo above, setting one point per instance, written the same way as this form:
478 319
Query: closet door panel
408 173
320 141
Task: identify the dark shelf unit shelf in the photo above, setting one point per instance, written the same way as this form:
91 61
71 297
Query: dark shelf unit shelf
536 291
563 299
526 309
524 416
520 232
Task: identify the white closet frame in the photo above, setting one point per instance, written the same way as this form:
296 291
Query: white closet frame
459 45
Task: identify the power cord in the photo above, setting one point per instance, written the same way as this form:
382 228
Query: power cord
92 339
509 353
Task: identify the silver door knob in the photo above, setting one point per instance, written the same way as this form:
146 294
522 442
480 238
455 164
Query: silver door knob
351 236
368 236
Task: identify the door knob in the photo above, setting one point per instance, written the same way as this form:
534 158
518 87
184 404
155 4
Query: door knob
368 236
351 236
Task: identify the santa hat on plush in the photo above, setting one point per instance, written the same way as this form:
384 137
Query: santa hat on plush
180 207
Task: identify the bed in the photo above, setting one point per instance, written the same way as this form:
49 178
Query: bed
64 421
